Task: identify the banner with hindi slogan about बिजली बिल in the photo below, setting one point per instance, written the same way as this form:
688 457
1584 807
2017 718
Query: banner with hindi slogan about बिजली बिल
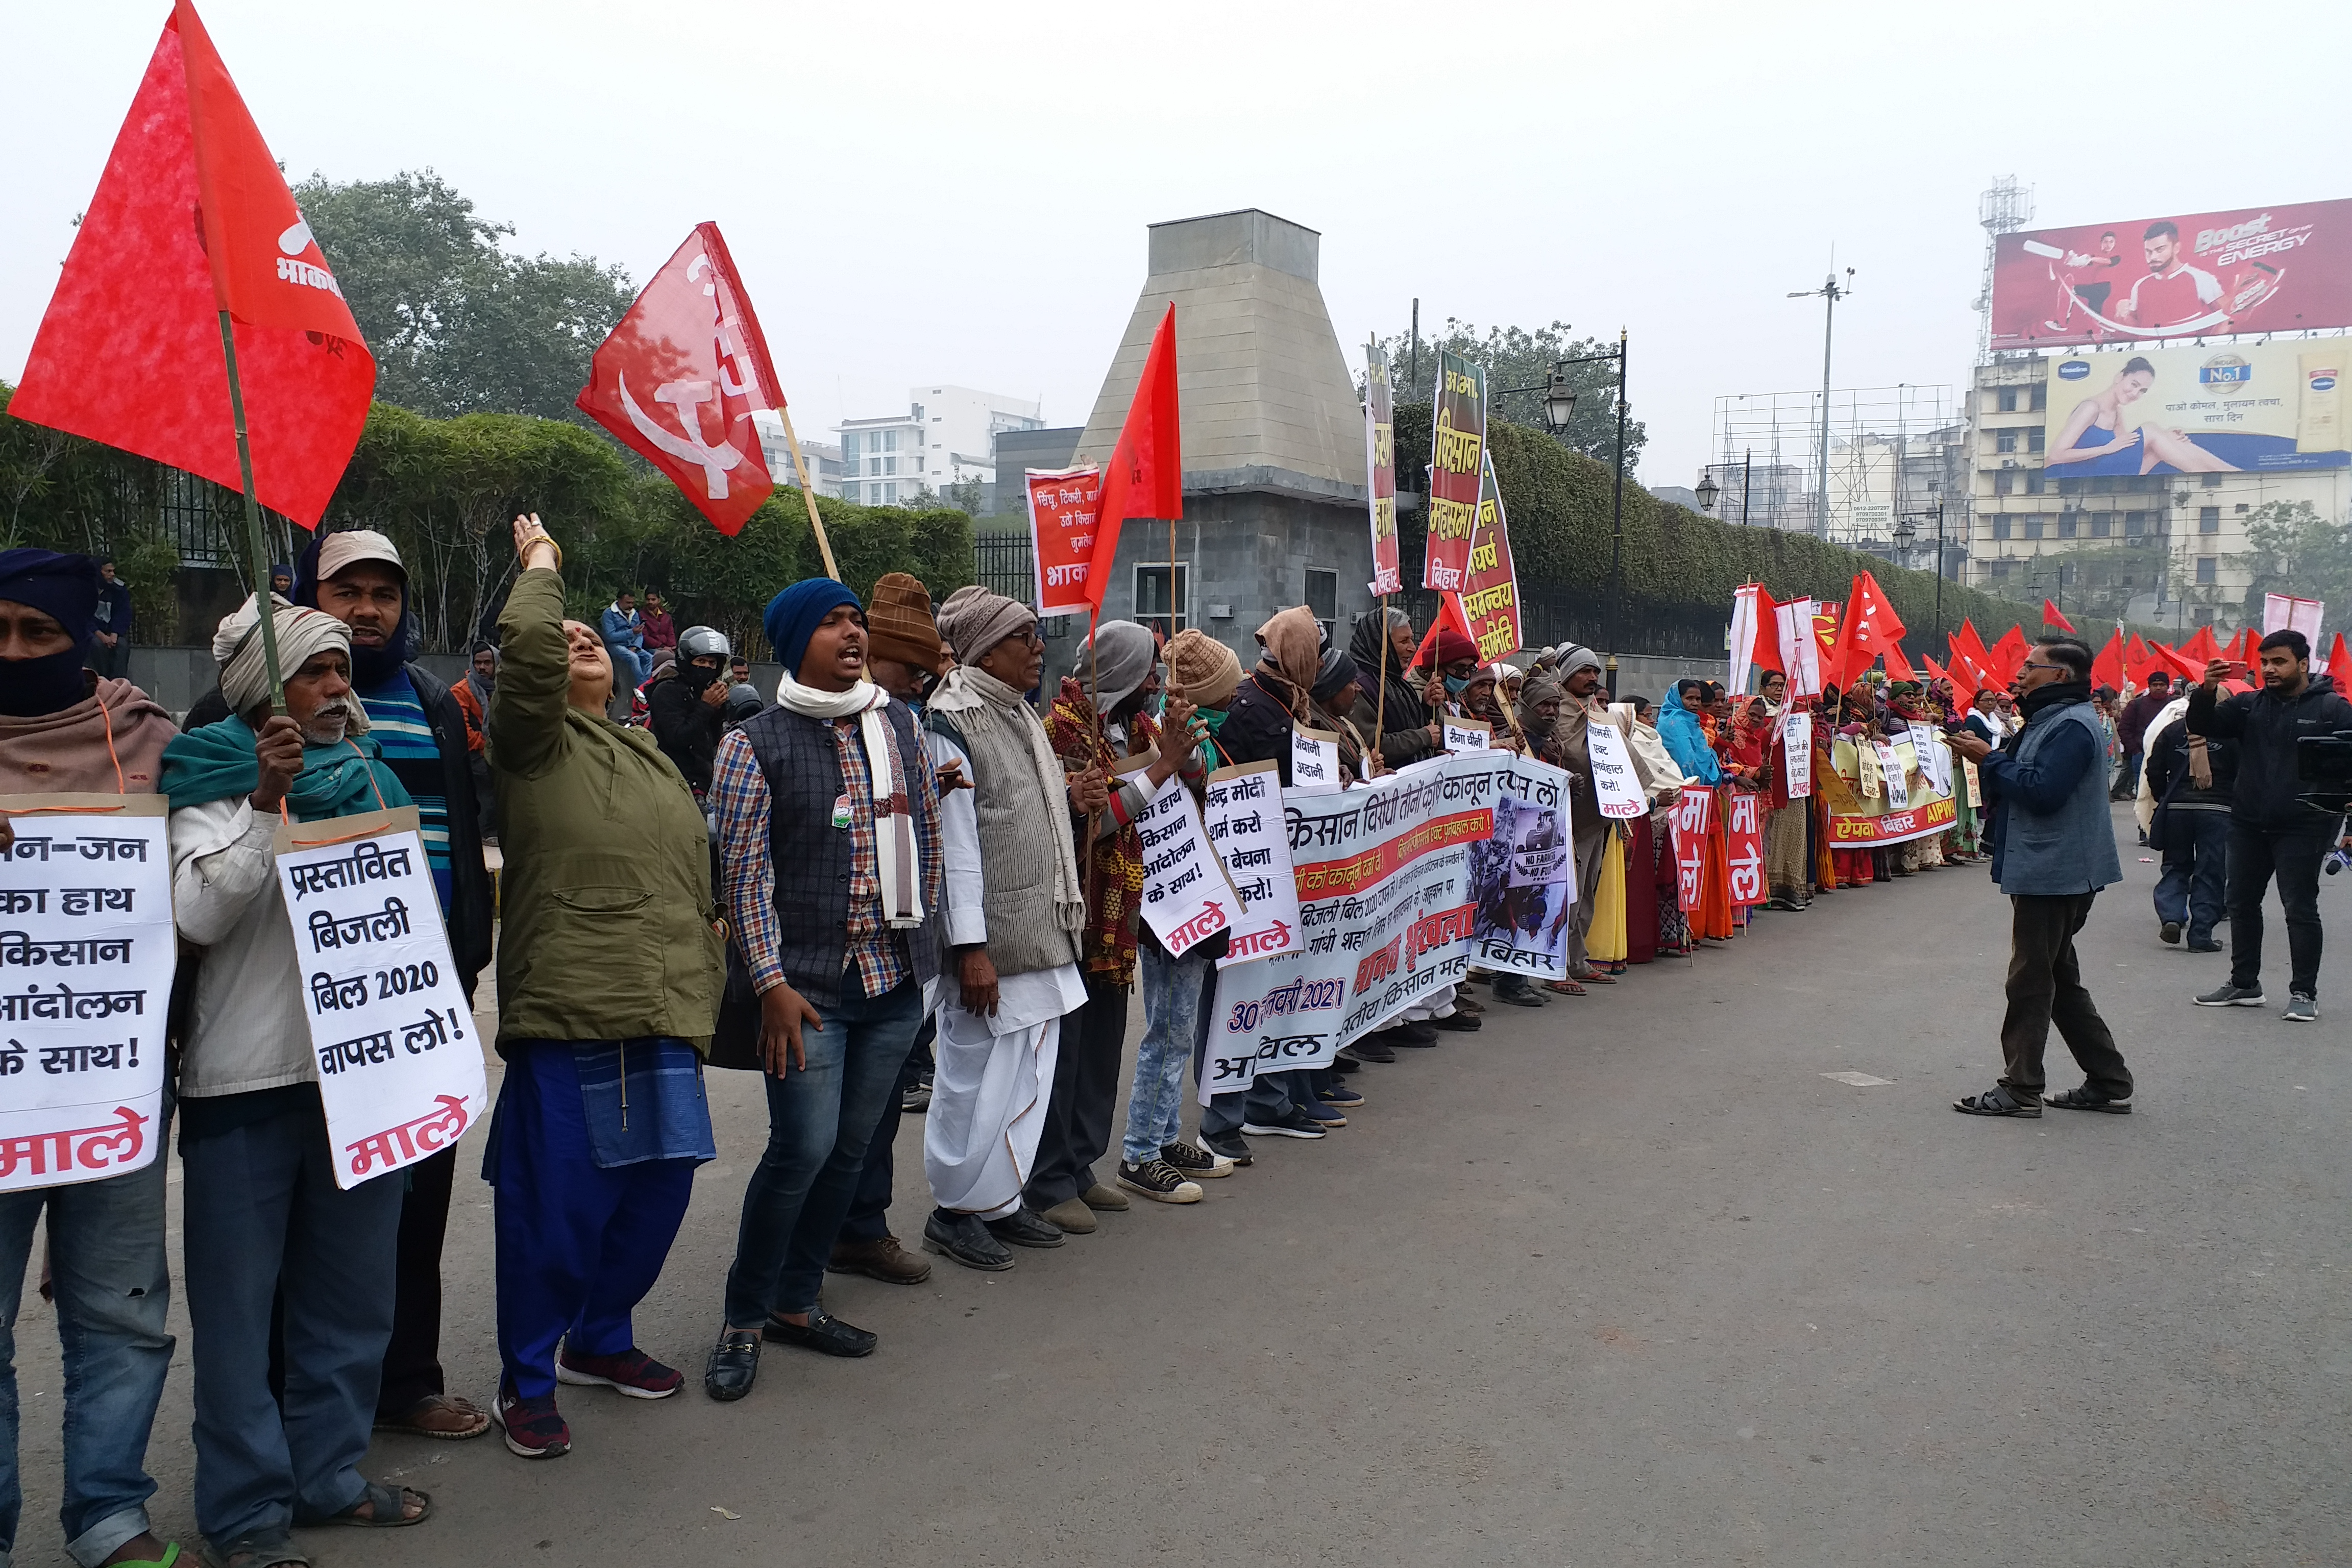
400 1069
86 953
1400 885
1456 462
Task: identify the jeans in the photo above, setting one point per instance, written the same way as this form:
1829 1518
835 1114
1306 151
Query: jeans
820 1121
113 1290
2127 778
1175 1016
2196 865
630 665
262 1209
2293 854
2045 987
869 1219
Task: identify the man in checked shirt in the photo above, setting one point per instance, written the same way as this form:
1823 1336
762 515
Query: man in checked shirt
828 825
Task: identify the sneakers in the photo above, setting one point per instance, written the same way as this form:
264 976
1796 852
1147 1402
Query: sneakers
917 1097
1198 1163
2301 1009
533 1428
1340 1096
2228 996
1371 1048
2170 933
1158 1180
1320 1113
1291 1123
632 1372
1457 1022
1227 1146
1411 1033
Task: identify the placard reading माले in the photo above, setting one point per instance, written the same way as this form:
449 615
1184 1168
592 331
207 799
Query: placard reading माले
1246 828
399 1069
85 957
1185 899
1614 783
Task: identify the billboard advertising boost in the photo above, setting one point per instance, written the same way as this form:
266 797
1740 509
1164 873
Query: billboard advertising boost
2250 407
2258 269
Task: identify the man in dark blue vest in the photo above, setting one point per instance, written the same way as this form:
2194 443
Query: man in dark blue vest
2053 847
828 824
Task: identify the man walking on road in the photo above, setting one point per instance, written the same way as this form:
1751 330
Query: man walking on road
2053 849
2131 732
2271 828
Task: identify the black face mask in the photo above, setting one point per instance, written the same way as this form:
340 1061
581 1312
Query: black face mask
50 684
697 677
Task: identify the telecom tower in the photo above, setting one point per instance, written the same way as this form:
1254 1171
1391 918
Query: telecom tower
2004 209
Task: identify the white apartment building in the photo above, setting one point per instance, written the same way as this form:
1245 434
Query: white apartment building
947 437
821 459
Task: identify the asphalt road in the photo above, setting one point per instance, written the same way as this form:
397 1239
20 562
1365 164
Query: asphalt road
1627 1280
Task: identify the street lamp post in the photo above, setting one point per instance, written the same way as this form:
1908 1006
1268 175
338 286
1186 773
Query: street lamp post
1558 406
1906 531
1830 292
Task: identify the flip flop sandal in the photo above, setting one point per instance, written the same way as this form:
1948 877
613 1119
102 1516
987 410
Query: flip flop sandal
391 1510
1995 1102
171 1556
1597 977
249 1552
1566 988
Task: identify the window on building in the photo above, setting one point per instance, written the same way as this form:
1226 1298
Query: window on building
2135 524
2067 486
2102 484
2205 568
2000 531
2209 520
2033 442
2040 398
2003 481
1322 597
918 469
849 442
2032 528
2035 481
889 466
2204 615
1152 598
2004 440
890 495
918 418
2213 482
2102 523
889 442
2068 526
2000 568
2139 484
2005 400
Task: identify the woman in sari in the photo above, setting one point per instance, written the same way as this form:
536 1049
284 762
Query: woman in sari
1654 924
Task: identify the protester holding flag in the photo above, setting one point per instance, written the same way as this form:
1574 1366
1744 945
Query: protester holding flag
65 732
609 978
264 1213
828 822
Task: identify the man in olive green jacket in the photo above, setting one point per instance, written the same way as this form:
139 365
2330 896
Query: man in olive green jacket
610 970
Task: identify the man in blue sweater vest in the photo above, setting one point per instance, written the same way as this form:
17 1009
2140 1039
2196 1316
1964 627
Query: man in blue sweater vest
2053 847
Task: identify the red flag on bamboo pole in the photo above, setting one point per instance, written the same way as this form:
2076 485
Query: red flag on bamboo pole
1871 630
2051 615
1145 475
191 218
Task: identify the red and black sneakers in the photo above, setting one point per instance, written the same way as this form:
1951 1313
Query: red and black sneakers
632 1372
533 1428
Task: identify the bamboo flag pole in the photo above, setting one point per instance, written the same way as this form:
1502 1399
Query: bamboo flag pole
254 538
1380 701
823 545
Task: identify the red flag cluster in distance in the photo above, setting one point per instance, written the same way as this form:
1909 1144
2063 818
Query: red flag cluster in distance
1145 475
680 377
191 218
1870 630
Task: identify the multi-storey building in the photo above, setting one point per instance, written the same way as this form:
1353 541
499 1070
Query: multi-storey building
947 437
822 460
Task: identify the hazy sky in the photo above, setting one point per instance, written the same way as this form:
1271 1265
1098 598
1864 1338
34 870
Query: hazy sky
926 192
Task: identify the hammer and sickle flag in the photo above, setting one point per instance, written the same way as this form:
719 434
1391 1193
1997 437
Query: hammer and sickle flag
678 380
191 218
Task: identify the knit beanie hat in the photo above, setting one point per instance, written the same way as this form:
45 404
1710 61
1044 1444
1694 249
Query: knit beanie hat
1203 671
899 623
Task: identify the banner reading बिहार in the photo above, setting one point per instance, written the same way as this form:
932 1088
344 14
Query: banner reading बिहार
1402 884
1897 812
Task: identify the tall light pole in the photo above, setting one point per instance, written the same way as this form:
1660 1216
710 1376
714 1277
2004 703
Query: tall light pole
1558 404
1831 292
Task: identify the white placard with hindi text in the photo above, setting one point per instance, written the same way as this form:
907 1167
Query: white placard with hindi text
86 952
1315 764
1185 899
399 1069
1614 782
1246 828
1796 755
1467 735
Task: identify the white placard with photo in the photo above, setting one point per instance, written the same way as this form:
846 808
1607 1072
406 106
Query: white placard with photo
1245 827
399 1069
86 952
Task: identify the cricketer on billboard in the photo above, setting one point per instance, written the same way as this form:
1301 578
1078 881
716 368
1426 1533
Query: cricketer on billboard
2256 269
2247 408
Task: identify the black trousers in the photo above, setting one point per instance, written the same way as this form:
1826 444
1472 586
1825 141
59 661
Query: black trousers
2293 854
869 1219
1085 1097
2045 987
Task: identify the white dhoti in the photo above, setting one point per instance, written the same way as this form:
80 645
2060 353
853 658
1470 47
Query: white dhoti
994 1079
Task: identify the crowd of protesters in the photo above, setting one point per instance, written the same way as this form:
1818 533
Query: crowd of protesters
910 882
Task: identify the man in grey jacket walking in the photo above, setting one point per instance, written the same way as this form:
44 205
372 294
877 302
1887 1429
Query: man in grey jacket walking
2053 847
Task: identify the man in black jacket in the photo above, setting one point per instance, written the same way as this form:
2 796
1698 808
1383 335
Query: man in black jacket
2270 829
689 709
357 577
2195 778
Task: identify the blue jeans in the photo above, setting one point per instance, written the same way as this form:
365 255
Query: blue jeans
114 1289
263 1211
1175 1016
630 665
2194 886
820 1121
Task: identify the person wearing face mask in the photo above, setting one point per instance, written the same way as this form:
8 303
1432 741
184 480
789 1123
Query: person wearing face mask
65 732
689 710
263 1212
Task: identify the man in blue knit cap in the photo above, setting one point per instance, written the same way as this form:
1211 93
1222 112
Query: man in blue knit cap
828 825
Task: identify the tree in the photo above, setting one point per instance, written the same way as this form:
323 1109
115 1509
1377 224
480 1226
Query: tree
1518 367
2293 550
456 324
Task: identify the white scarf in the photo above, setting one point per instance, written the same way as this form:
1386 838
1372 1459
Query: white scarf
894 824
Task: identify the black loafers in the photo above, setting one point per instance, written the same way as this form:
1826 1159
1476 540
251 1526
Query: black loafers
733 1366
963 1238
824 1333
1025 1227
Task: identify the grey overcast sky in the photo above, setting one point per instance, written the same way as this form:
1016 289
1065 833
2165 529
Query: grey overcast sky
926 192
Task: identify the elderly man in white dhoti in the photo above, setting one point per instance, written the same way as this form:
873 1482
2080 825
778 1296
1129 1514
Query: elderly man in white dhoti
1013 929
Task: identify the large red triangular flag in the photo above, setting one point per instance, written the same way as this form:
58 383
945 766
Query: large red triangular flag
2183 666
1965 645
2137 660
2339 664
2005 657
1449 613
1145 475
2200 647
1766 655
2052 616
190 218
678 379
2108 670
1871 629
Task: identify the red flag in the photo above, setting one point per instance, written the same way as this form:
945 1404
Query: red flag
2338 664
1145 475
2137 660
191 218
1449 613
2182 665
2052 616
702 371
1872 628
2108 670
2200 647
1766 654
2005 657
